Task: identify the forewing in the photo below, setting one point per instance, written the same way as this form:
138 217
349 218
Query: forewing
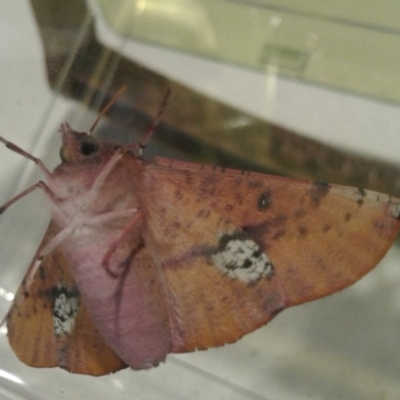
51 327
319 238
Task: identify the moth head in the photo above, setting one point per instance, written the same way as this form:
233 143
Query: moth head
77 146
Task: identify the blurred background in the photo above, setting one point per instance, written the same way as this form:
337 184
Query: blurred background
310 90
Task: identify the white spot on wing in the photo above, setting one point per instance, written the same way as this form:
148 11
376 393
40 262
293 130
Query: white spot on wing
241 258
395 212
66 307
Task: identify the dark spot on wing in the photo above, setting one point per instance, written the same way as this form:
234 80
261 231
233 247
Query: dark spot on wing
319 191
208 181
228 207
264 201
279 233
303 231
178 194
326 228
203 213
273 304
57 291
300 213
264 228
226 238
247 263
188 177
362 192
347 217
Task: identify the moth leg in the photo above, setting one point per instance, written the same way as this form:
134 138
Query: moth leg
109 216
5 318
102 176
64 234
50 246
38 185
13 147
114 244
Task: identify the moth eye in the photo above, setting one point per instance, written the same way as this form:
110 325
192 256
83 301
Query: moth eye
88 146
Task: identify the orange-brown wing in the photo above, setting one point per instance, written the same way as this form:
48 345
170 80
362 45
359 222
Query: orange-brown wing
51 327
319 238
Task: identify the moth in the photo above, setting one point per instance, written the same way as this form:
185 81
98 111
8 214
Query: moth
146 257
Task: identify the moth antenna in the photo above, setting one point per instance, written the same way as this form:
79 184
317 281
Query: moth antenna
13 147
107 107
156 121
